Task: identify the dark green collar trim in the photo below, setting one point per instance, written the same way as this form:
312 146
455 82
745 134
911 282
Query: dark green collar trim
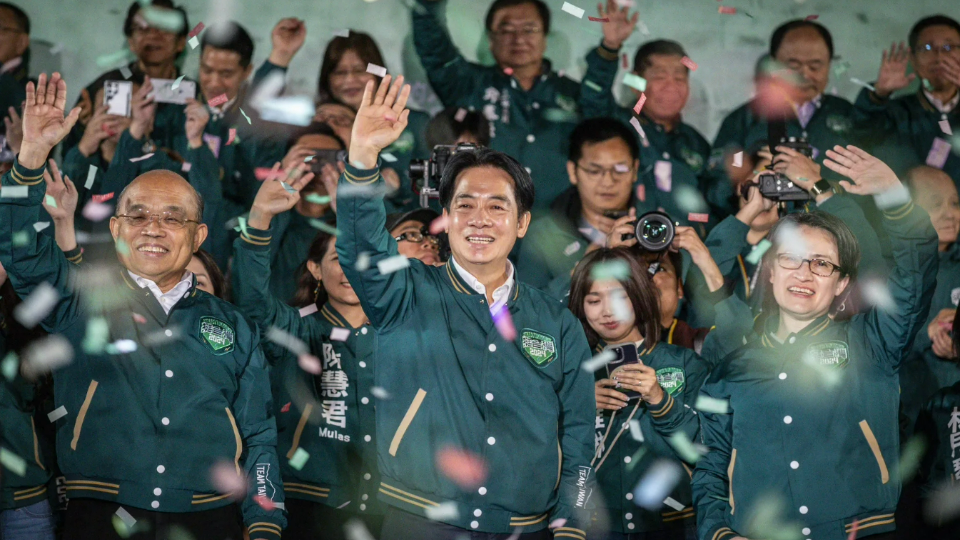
815 328
331 314
457 282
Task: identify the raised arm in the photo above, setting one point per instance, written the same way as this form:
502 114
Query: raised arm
450 75
596 91
361 216
914 276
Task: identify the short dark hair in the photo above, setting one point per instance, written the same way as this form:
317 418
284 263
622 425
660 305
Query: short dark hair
198 198
216 275
638 286
309 290
781 32
360 43
229 36
927 22
315 128
848 248
444 128
641 59
135 8
497 5
485 157
598 130
19 16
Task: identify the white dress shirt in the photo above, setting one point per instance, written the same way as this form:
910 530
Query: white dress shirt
941 106
499 294
170 298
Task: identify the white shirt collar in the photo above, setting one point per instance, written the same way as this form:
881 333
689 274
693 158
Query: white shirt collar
170 298
941 106
500 294
11 64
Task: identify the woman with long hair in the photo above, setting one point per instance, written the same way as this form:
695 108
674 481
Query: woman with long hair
644 398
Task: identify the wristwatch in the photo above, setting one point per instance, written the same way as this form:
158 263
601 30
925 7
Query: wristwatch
821 187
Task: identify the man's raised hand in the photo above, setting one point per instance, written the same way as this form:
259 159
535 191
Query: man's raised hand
619 25
44 122
870 175
893 70
380 121
278 193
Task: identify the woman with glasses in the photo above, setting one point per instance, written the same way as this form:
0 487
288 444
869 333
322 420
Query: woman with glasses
805 439
343 74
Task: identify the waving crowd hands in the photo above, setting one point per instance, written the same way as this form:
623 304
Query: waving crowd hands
44 121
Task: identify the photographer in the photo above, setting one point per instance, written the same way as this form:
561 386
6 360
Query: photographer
655 385
803 377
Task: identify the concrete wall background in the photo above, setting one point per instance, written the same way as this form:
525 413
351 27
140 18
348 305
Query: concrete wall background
725 46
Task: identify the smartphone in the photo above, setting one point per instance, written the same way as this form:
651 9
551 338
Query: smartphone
164 92
625 354
117 96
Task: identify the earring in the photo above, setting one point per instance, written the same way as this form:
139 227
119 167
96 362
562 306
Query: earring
843 305
316 293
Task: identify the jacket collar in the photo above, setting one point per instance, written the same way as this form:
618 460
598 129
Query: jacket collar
333 316
927 106
462 287
601 345
771 324
146 297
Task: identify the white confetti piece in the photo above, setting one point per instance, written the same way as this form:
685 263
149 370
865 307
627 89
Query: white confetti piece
226 478
91 176
738 160
573 10
363 261
757 252
121 346
176 83
345 33
388 157
857 81
310 364
598 361
37 306
299 459
46 355
10 365
656 484
354 529
339 334
876 293
621 307
615 269
308 310
379 393
684 448
572 248
379 71
96 211
141 158
712 405
125 72
14 463
892 198
41 225
636 125
635 81
673 503
57 413
286 340
446 511
461 114
194 42
945 127
15 192
393 264
635 431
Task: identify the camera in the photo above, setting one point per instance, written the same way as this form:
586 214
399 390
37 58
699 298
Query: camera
655 231
425 173
322 157
776 186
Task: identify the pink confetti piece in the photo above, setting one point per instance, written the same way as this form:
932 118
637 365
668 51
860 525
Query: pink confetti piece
141 158
598 19
232 136
265 503
310 364
504 323
738 160
945 127
139 319
266 173
853 530
339 334
218 100
698 218
625 62
374 69
196 30
439 225
465 469
642 192
228 479
508 71
185 166
286 408
309 310
102 198
689 63
811 17
640 102
727 10
557 523
461 114
96 212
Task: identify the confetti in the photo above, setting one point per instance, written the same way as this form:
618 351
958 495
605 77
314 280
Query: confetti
620 168
339 334
186 166
231 136
102 198
439 225
656 484
757 252
636 125
39 226
196 30
317 199
503 321
573 10
673 503
265 173
121 346
945 127
247 118
635 431
635 81
308 310
572 248
310 364
811 17
354 529
446 511
123 56
10 366
374 69
299 459
217 100
640 102
642 193
57 414
684 448
393 264
557 523
689 63
194 42
738 160
13 462
727 10
712 405
15 192
37 306
138 318
857 81
288 187
663 172
46 355
388 157
379 393
227 478
592 85
125 72
598 361
91 176
876 293
698 218
345 33
97 335
163 19
892 198
363 261
286 408
598 19
461 114
939 152
465 469
911 454
324 226
286 340
141 158
265 501
615 269
508 71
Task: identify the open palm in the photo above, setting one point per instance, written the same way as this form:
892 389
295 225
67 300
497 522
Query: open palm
44 123
870 175
380 120
61 192
893 70
619 25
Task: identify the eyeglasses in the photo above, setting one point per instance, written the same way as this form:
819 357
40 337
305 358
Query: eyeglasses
510 31
417 237
167 220
928 49
617 172
820 267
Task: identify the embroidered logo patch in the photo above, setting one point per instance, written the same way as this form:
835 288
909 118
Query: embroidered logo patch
218 335
540 349
828 353
839 124
692 159
671 379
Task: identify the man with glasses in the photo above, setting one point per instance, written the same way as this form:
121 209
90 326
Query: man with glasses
531 108
168 416
924 120
411 230
14 67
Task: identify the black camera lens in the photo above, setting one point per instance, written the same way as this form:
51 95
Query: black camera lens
655 231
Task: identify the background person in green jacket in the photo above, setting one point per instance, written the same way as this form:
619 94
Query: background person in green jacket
15 59
458 386
617 311
214 410
807 394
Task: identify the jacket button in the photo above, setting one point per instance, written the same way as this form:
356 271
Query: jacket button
482 490
491 441
363 507
155 504
627 459
366 476
492 348
161 468
363 364
630 526
366 438
169 373
787 419
157 491
165 421
474 524
168 332
628 515
364 400
629 496
794 464
363 330
489 396
531 138
806 530
364 497
804 509
478 512
783 376
792 339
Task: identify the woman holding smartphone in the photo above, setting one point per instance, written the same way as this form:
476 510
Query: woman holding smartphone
644 399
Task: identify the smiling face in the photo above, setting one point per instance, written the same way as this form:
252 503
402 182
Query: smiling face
517 39
801 294
929 63
156 250
483 220
604 175
599 310
221 73
426 251
668 87
204 283
152 46
804 51
330 275
349 78
339 117
936 193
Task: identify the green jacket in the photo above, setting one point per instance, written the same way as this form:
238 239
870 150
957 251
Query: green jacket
533 126
144 428
342 468
684 149
524 407
294 234
913 123
411 145
621 461
939 423
741 130
824 400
